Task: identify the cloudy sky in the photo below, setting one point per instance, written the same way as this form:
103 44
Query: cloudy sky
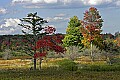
57 12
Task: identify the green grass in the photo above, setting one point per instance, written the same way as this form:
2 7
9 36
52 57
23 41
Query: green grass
55 74
9 71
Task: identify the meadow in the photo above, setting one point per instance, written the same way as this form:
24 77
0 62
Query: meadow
18 69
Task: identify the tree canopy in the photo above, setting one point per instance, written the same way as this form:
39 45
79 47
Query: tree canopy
92 24
73 36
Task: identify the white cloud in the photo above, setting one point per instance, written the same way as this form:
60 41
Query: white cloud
65 3
56 19
3 11
34 1
86 2
117 2
50 1
10 26
10 22
61 15
95 2
27 1
33 6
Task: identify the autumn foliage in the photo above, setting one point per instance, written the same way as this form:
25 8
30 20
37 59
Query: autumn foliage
92 23
49 29
38 54
49 42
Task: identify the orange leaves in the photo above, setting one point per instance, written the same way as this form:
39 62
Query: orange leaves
117 41
86 42
90 28
91 23
92 9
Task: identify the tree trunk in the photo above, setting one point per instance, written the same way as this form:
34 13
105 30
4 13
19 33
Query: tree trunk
92 58
35 37
40 65
34 63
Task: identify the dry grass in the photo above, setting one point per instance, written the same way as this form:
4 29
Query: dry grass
12 64
18 69
27 63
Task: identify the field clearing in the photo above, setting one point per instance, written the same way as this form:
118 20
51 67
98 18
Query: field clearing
19 69
25 63
28 63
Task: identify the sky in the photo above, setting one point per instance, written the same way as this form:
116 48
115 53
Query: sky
57 13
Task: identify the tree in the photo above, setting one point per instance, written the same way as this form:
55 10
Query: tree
112 49
49 43
92 23
33 25
73 35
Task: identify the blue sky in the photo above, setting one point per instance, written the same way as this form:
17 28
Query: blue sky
57 12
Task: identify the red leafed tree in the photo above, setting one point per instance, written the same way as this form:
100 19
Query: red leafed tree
38 54
49 29
48 42
92 23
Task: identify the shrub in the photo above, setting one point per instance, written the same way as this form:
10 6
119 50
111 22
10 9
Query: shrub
72 52
67 65
1 54
110 68
115 61
101 68
91 68
7 54
96 52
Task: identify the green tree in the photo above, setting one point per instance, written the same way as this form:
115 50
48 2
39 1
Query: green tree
73 35
33 25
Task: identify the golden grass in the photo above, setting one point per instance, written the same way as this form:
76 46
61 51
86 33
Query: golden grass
48 62
16 63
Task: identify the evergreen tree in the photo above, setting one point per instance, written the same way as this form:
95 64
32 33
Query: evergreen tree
33 25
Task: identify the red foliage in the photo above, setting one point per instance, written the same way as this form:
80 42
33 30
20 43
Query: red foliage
91 23
51 43
43 44
38 54
58 49
17 44
23 40
7 43
49 29
92 9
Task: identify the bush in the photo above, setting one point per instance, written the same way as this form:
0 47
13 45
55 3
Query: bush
91 68
96 52
110 68
115 61
1 54
67 65
7 54
101 68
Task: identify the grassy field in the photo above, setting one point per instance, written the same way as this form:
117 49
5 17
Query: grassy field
20 70
53 74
